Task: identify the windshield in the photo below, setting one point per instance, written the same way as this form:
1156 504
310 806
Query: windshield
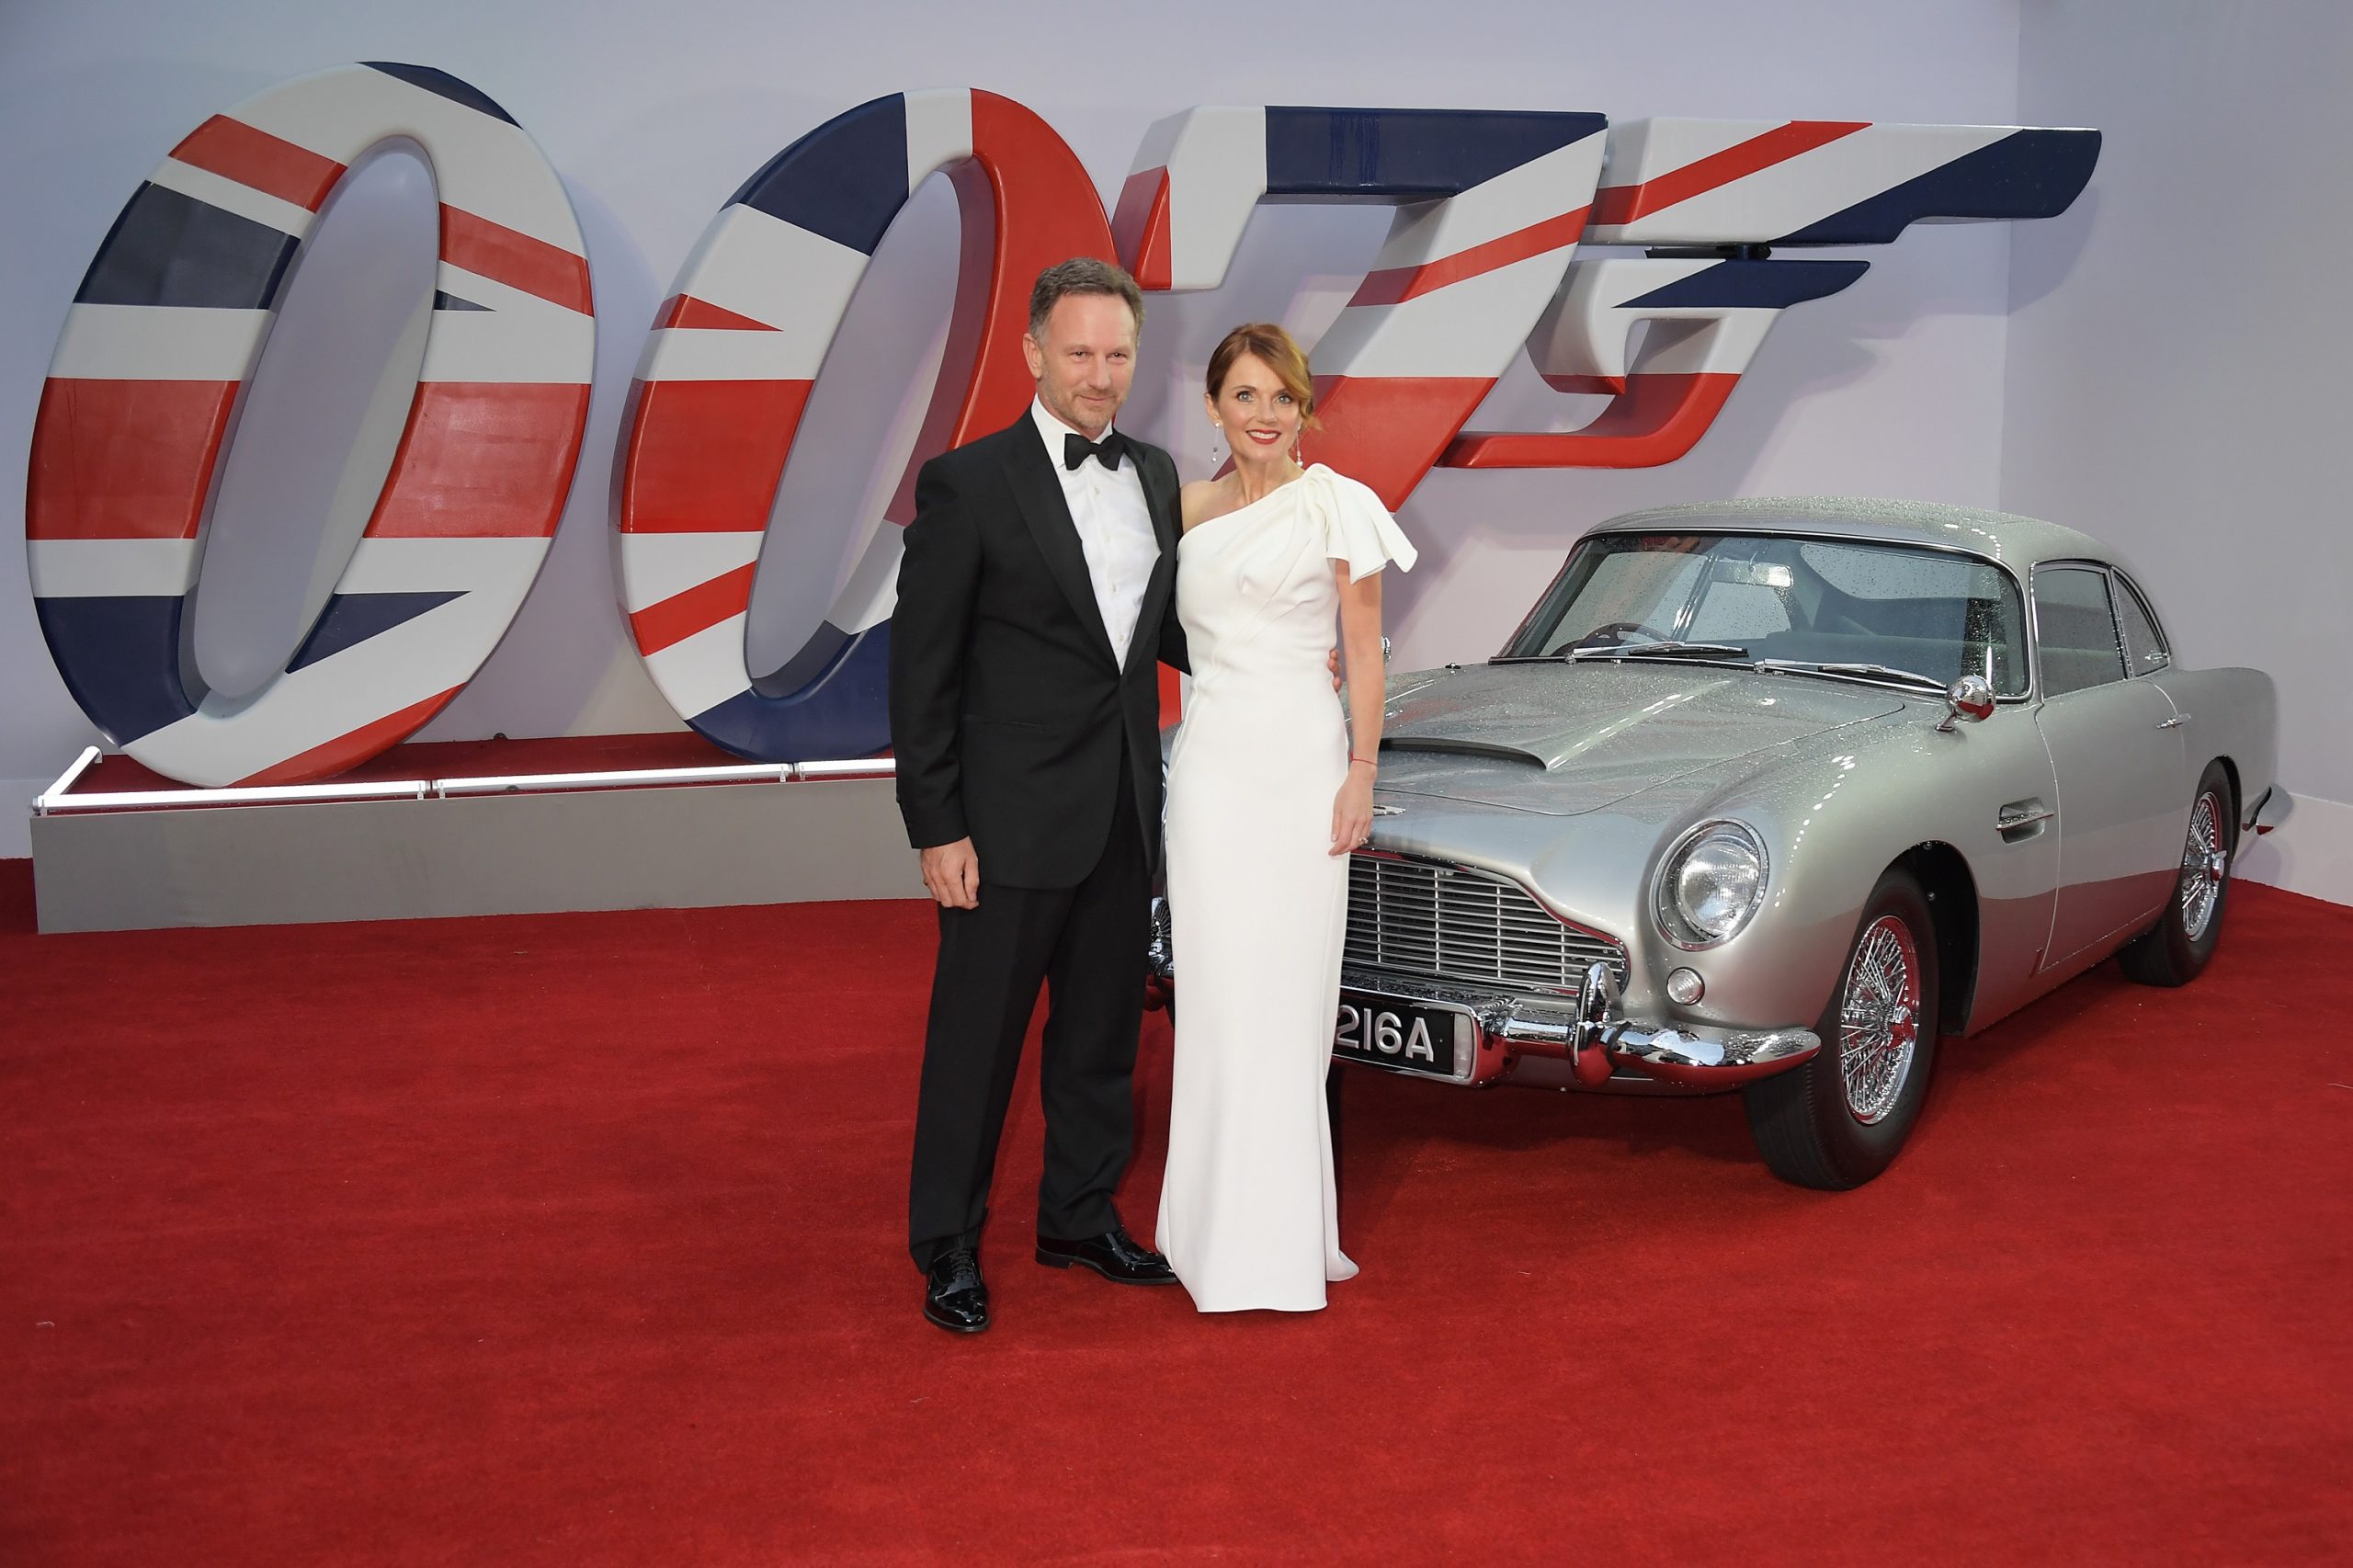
1747 598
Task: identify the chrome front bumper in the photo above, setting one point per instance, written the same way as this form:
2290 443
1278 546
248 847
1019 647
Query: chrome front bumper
1589 1031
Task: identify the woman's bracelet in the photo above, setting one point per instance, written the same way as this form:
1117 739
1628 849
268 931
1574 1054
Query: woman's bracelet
1366 760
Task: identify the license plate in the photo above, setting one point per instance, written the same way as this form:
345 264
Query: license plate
1395 1035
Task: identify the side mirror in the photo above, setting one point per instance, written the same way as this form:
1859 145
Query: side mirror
1970 698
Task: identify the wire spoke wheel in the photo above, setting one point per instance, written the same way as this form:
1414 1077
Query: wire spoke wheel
1879 1019
2205 862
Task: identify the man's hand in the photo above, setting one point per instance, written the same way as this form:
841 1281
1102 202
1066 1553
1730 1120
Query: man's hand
953 872
1332 662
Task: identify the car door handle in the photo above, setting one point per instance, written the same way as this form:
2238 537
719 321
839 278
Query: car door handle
2021 819
2176 722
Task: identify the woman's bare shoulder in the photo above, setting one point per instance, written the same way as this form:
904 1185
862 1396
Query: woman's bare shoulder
1198 501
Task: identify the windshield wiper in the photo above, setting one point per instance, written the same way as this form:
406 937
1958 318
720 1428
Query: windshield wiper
1674 648
1671 648
1863 672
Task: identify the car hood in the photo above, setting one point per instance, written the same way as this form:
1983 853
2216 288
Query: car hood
1564 739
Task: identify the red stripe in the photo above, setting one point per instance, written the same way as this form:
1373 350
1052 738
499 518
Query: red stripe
704 606
351 750
234 150
515 259
686 310
705 456
1139 227
1659 419
1388 430
1618 204
1394 285
487 459
124 460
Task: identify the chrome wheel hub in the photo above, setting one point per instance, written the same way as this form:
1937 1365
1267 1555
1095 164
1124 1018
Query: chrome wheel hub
1879 1019
2205 865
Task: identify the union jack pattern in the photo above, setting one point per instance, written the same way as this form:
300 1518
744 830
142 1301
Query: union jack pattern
167 326
1733 190
728 369
1491 205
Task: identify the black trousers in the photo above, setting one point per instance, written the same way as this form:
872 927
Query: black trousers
1085 944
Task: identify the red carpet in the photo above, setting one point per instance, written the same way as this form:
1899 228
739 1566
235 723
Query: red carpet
577 1240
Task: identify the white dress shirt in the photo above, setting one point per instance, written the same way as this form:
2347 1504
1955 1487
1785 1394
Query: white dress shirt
1114 530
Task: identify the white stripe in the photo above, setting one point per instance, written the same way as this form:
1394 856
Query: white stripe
158 343
440 565
298 712
698 354
774 272
218 191
481 164
1471 328
548 345
659 566
111 568
1217 172
939 131
1559 182
698 672
1642 150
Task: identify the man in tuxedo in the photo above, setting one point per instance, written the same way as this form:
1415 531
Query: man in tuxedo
1034 606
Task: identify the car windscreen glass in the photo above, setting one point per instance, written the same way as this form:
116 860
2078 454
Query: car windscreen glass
1805 601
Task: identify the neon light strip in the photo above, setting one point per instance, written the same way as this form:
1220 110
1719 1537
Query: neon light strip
43 802
776 772
56 798
283 794
866 767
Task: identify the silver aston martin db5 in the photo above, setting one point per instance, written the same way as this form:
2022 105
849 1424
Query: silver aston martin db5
1776 795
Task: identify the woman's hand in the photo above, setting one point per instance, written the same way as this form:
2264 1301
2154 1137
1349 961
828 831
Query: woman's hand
1352 810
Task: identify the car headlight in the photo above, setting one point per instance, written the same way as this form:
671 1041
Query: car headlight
1711 883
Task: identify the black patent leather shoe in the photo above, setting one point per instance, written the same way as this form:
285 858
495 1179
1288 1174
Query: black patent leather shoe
1114 1255
954 1297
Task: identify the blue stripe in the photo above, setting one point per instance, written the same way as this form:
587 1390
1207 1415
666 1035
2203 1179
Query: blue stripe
1750 285
844 712
1354 153
170 249
845 180
120 659
350 620
442 83
2027 174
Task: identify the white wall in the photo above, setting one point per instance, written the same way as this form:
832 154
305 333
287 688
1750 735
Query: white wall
2177 348
654 113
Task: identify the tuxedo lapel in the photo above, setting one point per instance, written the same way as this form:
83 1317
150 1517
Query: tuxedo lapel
1160 503
1040 495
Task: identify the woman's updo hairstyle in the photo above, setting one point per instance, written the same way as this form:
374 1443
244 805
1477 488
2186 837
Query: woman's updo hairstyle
1279 353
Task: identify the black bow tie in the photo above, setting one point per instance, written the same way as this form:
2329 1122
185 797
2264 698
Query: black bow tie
1077 448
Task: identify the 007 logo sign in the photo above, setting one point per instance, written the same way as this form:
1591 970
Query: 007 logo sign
1482 256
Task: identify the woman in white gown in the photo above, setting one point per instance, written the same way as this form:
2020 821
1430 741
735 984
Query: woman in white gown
1268 793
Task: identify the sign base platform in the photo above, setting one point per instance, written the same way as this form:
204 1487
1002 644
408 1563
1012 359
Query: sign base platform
470 827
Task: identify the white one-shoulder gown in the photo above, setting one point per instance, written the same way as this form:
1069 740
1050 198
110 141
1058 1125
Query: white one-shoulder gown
1248 1215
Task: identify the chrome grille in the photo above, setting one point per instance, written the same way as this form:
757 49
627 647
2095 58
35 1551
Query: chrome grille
1456 924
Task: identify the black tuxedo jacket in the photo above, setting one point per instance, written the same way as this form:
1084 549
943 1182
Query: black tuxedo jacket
1008 714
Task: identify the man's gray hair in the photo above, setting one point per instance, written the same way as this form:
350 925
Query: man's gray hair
1081 275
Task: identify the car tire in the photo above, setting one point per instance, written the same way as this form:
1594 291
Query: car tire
2174 951
1840 1119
